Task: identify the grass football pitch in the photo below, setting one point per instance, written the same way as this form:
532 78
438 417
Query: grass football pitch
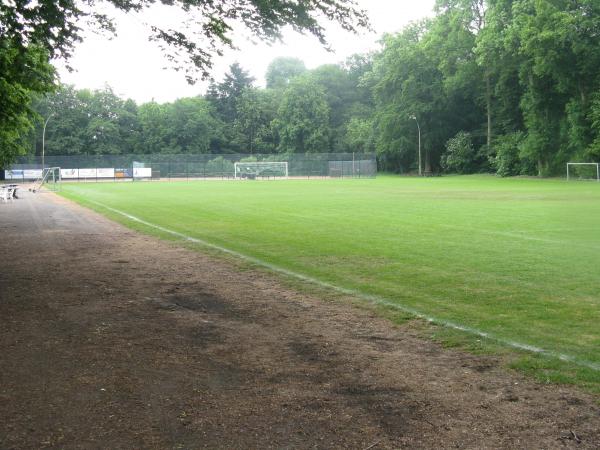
516 258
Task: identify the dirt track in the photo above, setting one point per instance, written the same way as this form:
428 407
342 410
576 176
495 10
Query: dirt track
112 339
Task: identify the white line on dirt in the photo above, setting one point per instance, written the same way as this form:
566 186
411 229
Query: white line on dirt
354 293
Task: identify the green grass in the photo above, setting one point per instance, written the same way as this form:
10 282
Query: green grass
517 258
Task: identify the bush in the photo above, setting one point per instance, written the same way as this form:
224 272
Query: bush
219 167
507 162
460 155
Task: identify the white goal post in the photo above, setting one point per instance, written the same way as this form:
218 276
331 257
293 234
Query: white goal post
594 166
253 169
51 177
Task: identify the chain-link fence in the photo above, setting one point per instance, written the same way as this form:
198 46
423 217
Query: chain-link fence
200 166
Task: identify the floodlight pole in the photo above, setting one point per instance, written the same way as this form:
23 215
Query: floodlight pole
418 128
44 140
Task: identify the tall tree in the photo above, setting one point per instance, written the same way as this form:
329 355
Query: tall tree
226 94
256 110
224 97
559 42
303 117
408 83
23 72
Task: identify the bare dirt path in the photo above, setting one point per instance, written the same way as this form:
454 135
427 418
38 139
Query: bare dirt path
112 339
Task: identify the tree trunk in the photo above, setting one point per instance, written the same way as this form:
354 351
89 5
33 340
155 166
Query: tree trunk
427 171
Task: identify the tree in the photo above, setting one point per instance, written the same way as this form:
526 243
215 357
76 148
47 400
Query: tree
302 118
225 95
23 73
360 136
190 126
460 155
341 97
256 110
559 43
187 125
407 81
283 70
88 122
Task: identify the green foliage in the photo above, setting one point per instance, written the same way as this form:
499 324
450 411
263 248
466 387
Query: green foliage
506 161
23 73
345 97
408 82
593 151
281 71
255 111
494 68
460 155
302 118
360 135
220 166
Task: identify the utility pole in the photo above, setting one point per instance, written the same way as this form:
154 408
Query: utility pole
44 141
419 128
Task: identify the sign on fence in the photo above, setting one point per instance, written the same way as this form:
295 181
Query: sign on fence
142 172
69 173
13 174
87 173
105 173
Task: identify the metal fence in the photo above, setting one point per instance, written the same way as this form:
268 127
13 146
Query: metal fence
199 166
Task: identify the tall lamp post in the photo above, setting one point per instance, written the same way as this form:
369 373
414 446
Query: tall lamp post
44 141
419 128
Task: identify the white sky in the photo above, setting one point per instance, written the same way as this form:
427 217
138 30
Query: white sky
135 68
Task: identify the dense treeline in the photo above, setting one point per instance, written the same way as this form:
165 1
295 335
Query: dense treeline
504 86
298 111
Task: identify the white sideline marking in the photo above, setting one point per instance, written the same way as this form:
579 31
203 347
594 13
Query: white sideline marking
368 297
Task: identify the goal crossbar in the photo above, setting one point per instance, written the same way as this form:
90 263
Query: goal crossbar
595 165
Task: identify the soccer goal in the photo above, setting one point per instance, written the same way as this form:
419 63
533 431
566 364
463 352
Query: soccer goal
50 179
583 171
264 169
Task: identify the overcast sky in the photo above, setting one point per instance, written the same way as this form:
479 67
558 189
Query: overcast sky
135 68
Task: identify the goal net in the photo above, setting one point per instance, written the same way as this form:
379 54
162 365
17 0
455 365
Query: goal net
583 171
264 169
50 179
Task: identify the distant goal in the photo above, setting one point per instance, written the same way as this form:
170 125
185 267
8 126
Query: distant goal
49 179
583 171
262 169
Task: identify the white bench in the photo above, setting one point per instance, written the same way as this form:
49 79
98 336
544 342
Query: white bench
7 192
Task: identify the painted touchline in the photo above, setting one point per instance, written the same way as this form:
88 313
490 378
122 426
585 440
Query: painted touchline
368 297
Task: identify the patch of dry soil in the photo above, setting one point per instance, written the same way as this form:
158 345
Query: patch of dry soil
113 339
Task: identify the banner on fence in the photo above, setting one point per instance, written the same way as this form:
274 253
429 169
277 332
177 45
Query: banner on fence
32 174
69 173
142 172
105 173
87 173
122 173
13 174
